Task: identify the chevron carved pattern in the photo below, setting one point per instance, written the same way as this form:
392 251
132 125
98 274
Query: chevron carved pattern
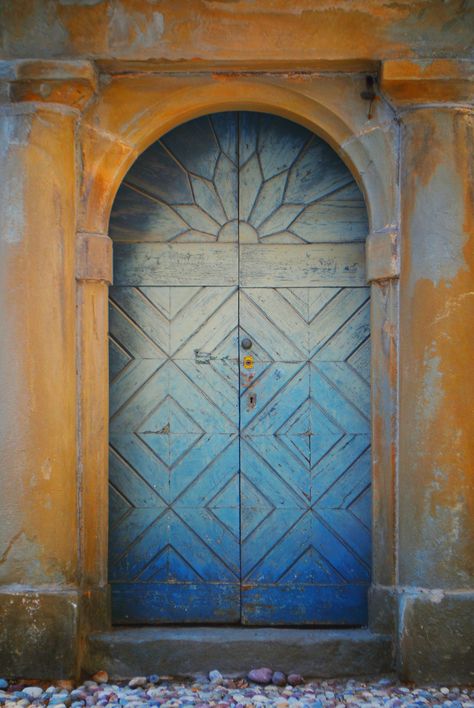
306 446
174 454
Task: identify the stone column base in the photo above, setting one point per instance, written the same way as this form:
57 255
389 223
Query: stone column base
383 609
436 636
38 631
42 629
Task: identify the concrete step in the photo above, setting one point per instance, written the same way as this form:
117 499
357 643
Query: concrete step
186 651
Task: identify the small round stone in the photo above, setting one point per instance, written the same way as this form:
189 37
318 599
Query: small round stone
262 676
33 691
137 681
3 683
101 677
215 677
295 679
279 678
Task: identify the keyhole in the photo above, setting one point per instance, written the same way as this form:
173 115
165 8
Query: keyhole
252 401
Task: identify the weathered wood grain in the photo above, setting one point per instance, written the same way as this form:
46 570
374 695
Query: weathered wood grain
168 264
291 266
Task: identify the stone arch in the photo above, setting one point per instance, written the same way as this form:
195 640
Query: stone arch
128 115
111 145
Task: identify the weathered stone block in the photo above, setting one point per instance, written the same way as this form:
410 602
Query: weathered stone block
436 634
38 632
428 81
189 650
93 257
383 609
382 255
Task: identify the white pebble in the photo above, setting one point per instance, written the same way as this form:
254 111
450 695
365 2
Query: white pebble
137 681
33 691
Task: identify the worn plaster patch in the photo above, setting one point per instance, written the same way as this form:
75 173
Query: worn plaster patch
14 132
432 387
131 31
26 26
438 240
80 2
429 26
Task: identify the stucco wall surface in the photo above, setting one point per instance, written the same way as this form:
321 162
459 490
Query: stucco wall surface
199 31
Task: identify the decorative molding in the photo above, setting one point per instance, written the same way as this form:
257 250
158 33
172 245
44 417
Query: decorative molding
382 255
70 83
406 81
94 257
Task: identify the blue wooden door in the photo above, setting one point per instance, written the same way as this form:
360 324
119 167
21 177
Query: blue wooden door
239 493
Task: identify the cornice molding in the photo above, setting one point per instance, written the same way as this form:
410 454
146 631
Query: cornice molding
70 83
408 82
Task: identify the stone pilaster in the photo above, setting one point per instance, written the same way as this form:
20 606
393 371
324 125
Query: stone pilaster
383 270
93 275
435 553
39 533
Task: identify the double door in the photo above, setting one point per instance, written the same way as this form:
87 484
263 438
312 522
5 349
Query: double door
239 363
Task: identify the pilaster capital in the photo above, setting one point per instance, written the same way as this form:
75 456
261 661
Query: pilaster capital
93 257
69 83
408 82
382 255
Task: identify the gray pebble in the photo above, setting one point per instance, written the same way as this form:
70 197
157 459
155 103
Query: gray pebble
215 677
261 676
137 681
279 678
33 691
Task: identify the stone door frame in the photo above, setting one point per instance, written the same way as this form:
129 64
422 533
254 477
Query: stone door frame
71 129
129 113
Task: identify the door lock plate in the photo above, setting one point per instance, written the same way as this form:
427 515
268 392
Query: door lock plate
248 362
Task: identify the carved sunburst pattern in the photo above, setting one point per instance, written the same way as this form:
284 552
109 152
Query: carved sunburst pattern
283 183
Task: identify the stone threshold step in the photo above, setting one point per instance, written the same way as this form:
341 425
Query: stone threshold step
185 651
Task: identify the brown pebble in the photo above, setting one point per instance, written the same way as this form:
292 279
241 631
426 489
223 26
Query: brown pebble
295 679
101 677
66 684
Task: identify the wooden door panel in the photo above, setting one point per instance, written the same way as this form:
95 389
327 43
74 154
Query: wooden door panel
306 448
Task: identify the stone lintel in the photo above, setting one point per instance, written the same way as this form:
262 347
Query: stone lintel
94 257
291 67
407 81
65 82
382 255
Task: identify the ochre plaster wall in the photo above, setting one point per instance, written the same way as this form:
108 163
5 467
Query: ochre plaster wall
38 505
85 86
241 31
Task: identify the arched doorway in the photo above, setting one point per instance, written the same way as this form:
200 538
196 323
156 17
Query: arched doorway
239 477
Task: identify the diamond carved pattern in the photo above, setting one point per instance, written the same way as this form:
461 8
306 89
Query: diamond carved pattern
307 441
173 434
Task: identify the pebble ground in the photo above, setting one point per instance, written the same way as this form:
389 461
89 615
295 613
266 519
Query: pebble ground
240 693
